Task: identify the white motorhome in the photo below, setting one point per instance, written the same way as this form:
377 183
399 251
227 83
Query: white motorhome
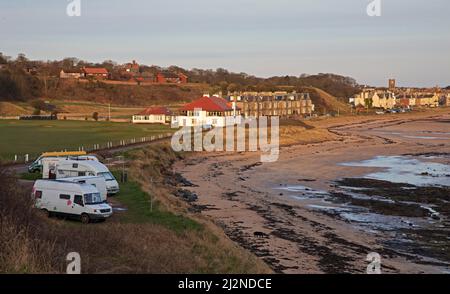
57 168
81 201
36 166
97 182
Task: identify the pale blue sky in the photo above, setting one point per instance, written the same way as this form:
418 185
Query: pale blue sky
410 41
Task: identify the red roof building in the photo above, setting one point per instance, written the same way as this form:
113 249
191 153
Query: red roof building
211 104
169 77
207 111
97 72
153 115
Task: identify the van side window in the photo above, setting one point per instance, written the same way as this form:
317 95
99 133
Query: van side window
64 196
38 194
78 200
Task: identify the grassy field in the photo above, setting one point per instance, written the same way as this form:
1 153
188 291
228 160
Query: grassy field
138 209
35 137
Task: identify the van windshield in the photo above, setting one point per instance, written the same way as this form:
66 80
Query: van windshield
107 175
92 198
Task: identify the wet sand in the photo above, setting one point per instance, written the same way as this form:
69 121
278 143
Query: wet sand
270 208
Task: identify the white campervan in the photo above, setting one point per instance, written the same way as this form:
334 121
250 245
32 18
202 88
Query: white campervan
82 201
57 168
97 182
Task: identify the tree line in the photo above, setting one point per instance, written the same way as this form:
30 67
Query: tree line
24 79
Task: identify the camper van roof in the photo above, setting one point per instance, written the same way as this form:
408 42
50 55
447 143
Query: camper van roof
97 166
64 153
56 184
71 179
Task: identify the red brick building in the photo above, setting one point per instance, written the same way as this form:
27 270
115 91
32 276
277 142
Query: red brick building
96 72
132 67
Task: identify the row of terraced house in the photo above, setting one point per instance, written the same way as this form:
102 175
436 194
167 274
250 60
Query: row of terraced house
386 99
283 104
394 97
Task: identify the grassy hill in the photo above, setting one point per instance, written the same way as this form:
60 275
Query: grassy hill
11 109
325 102
124 94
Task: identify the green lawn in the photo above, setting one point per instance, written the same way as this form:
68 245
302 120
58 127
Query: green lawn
35 137
139 209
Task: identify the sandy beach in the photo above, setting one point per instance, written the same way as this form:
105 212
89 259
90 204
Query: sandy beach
295 216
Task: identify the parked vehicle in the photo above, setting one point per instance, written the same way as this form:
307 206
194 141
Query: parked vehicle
84 157
36 166
75 200
57 168
97 182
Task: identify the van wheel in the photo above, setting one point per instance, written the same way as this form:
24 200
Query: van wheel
85 218
46 213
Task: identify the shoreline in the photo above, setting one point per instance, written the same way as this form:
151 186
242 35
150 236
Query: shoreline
249 200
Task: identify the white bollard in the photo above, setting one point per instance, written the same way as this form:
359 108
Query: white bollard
15 157
26 158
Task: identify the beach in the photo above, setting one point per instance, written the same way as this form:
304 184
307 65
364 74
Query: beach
325 205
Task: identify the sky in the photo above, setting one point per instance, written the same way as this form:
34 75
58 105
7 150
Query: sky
410 41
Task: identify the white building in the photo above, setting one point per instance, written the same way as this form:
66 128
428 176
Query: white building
153 115
207 111
72 74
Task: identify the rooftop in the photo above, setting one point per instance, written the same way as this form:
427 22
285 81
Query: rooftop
208 104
